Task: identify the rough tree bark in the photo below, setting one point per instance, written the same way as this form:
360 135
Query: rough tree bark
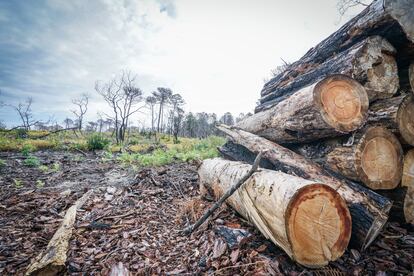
370 62
369 210
373 156
403 197
308 220
396 114
411 76
391 19
330 107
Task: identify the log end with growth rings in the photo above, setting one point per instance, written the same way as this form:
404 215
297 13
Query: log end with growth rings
342 101
378 159
318 225
408 181
405 119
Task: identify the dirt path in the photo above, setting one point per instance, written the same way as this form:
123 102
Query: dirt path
134 218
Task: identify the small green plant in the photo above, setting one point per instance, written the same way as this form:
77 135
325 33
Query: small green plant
39 184
17 183
21 133
2 163
107 156
43 168
56 167
97 142
27 149
31 161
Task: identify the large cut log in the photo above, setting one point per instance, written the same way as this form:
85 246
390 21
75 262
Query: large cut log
52 260
335 105
403 197
308 220
370 62
396 114
369 210
391 19
373 156
408 182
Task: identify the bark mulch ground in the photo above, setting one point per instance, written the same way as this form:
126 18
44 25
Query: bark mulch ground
133 221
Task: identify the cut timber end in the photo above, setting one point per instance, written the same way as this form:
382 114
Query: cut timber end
379 155
411 76
405 119
318 225
342 101
408 181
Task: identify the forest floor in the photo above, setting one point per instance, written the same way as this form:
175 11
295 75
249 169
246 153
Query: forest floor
135 217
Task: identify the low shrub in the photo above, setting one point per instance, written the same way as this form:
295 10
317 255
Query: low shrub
97 142
27 149
31 161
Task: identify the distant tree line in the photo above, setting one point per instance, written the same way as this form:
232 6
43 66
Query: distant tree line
163 107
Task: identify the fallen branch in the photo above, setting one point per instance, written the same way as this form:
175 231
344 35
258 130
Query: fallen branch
225 196
53 132
52 260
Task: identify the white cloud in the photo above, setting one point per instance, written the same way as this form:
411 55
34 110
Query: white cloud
215 53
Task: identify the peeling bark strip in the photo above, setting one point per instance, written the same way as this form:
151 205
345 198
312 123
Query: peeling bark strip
52 260
396 114
308 220
391 19
369 210
408 181
333 106
374 156
370 62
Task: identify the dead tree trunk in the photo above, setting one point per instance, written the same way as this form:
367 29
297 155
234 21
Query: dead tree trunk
369 210
331 107
396 114
373 156
370 62
308 220
391 19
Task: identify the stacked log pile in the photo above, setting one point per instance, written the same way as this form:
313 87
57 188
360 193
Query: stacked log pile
335 126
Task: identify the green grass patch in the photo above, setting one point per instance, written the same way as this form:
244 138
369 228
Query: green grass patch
187 150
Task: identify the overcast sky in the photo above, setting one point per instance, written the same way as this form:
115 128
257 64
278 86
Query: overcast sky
215 53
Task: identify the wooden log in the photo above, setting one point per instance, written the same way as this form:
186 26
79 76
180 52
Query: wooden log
308 220
371 62
333 106
403 197
52 260
391 19
369 210
373 156
396 114
408 182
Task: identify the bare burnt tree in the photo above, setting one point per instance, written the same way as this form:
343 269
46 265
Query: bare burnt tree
81 104
344 5
163 96
24 110
151 102
68 122
177 102
177 123
124 98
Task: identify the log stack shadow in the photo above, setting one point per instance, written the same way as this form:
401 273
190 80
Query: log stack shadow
338 121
